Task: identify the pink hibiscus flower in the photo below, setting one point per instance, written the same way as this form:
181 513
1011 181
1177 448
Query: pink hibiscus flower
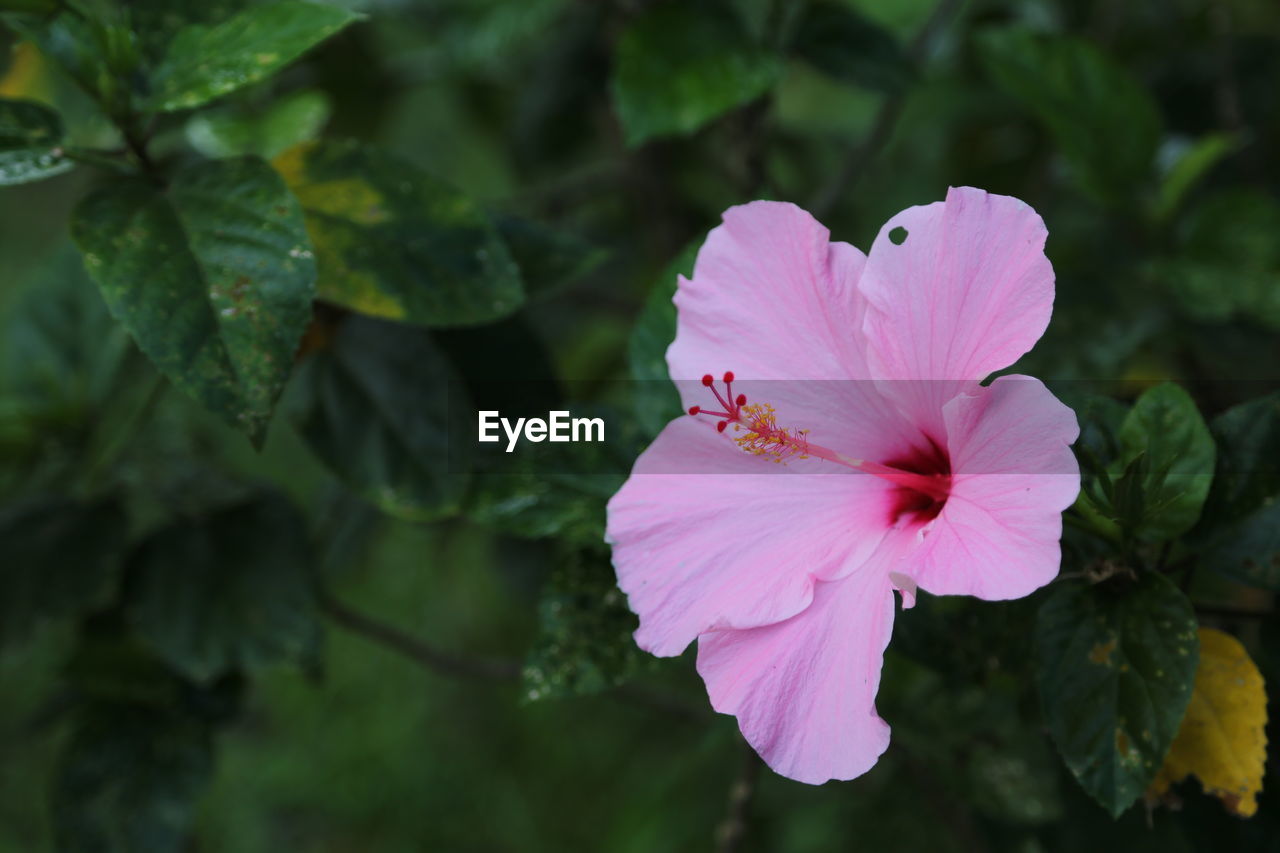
902 471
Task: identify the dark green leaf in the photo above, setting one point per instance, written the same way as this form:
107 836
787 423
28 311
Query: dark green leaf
62 349
539 501
28 6
1239 533
1228 265
681 64
374 407
1102 120
541 505
556 489
213 276
129 779
59 559
395 243
71 382
584 640
206 62
549 260
99 50
474 37
295 118
1097 449
839 41
1165 429
228 591
655 398
30 142
1116 663
110 664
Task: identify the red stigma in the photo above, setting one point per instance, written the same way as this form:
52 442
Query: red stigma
731 406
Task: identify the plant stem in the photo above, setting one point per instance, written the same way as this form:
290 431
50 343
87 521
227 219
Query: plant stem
102 159
481 668
886 119
119 443
1224 611
448 663
733 829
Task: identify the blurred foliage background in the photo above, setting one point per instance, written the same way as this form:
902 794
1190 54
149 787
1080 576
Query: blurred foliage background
335 644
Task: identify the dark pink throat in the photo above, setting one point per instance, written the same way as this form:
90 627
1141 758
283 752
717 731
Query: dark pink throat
921 500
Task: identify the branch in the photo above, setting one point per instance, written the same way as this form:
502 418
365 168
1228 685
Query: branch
733 830
661 701
855 165
482 668
1224 611
444 662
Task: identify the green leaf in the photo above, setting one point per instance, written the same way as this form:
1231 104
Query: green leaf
549 260
228 591
294 119
681 64
206 62
840 42
1116 664
1104 123
60 560
62 349
128 780
584 640
71 381
1097 448
546 494
30 143
1239 532
158 22
1165 428
654 396
542 490
213 276
395 243
1192 164
111 666
540 505
373 405
480 37
96 47
1228 263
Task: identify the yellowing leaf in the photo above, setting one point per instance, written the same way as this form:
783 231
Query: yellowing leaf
1222 739
25 77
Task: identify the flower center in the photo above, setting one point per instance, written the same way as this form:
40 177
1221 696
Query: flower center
924 478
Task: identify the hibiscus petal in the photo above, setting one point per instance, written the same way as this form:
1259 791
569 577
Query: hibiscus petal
968 291
1013 475
771 298
735 541
804 690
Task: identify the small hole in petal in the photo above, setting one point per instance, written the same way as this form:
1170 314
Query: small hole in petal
898 236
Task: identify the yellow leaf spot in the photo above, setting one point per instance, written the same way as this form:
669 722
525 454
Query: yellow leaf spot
1101 652
1223 737
26 76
